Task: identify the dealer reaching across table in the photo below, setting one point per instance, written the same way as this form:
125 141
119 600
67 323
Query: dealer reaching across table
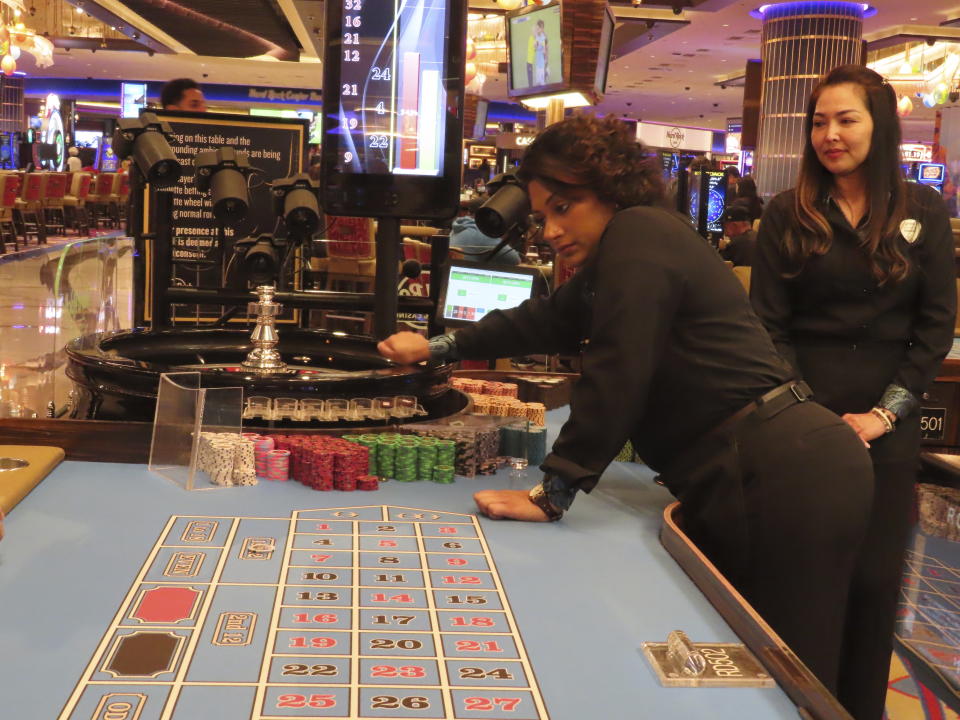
776 489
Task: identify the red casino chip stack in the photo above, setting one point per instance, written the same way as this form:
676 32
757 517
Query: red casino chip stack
323 462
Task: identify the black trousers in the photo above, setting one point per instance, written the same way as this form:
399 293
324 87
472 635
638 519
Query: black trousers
851 378
782 506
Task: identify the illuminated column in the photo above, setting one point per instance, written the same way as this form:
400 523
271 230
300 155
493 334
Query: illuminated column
800 42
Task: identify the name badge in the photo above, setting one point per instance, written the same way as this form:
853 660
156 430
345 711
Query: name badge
910 229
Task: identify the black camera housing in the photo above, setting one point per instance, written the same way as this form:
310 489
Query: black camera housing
295 199
146 139
223 173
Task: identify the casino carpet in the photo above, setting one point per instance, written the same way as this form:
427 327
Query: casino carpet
929 623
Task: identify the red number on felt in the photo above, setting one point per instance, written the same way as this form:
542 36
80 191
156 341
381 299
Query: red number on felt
407 671
475 621
448 530
323 526
380 597
317 642
387 543
486 704
474 646
456 562
305 618
460 580
320 558
314 701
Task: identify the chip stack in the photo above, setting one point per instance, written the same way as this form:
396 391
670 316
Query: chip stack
244 472
405 465
386 456
261 446
426 457
536 442
443 474
368 482
278 465
511 440
369 441
536 413
446 453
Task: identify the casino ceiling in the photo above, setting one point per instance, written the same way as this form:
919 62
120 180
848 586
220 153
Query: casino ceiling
673 60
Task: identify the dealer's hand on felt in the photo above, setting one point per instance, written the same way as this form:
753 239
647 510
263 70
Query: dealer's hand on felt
508 505
867 425
405 348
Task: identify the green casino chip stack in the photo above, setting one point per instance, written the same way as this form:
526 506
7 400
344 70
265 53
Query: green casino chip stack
405 465
443 474
386 457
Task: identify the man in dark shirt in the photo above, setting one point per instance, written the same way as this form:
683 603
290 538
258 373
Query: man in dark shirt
739 240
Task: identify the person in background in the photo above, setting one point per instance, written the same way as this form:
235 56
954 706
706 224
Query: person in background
74 163
739 240
466 237
747 195
183 94
675 360
854 279
731 177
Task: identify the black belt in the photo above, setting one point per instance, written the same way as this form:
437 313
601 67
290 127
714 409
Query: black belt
764 407
769 404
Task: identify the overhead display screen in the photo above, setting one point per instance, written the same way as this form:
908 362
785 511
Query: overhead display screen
393 98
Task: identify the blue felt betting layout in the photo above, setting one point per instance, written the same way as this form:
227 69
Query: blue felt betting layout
361 612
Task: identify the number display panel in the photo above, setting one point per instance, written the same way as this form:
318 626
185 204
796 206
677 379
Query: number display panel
368 612
393 98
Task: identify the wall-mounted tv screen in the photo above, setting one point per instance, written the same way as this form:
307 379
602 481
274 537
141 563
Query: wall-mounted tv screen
535 44
393 108
133 98
606 45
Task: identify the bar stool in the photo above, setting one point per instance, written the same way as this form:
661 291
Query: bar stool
52 201
9 188
100 202
28 212
75 202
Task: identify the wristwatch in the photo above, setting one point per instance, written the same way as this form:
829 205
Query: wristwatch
539 498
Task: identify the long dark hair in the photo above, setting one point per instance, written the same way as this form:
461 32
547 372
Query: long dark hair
810 233
747 194
600 154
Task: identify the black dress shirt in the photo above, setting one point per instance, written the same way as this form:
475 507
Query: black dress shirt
741 248
670 345
895 333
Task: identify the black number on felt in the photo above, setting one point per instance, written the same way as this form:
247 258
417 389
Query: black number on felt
399 619
323 541
387 560
453 545
479 674
297 669
328 596
391 578
471 599
415 702
319 576
386 528
385 644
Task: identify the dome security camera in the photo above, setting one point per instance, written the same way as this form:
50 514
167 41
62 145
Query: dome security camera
931 42
677 9
723 87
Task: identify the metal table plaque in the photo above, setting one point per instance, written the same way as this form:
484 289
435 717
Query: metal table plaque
681 663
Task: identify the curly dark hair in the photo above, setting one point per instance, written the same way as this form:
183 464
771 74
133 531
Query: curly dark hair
601 154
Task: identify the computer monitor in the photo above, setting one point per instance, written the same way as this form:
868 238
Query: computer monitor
606 45
535 50
469 291
393 108
133 98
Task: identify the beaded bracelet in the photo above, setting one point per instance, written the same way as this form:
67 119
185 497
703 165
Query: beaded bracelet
887 423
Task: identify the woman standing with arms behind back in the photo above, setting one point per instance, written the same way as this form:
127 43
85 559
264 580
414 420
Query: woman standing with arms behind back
854 279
